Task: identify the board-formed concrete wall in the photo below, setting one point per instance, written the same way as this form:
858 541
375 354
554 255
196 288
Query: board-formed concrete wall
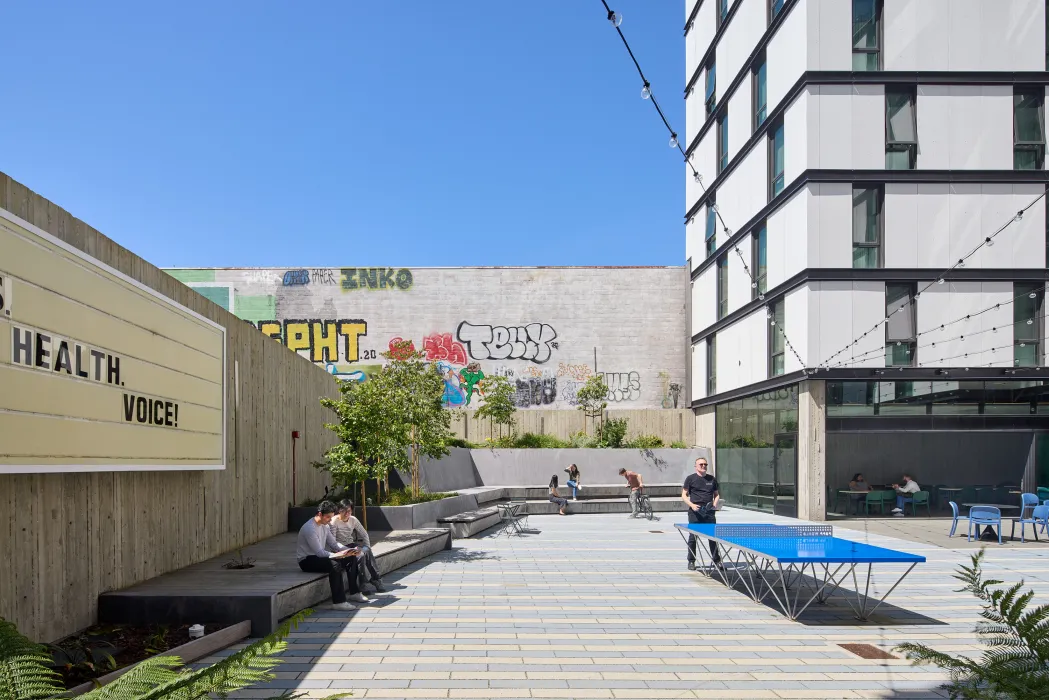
546 328
596 466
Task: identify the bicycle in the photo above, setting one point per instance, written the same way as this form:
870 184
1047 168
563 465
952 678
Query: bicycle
644 505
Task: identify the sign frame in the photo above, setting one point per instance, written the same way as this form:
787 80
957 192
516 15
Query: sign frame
88 468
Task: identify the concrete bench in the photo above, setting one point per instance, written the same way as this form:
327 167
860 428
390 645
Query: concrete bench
273 589
470 523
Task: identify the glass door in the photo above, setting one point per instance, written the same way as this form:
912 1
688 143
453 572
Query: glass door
785 474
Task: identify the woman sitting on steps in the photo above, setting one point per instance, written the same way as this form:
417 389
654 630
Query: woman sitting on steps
555 497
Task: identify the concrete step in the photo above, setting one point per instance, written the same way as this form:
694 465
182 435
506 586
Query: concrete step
604 505
590 492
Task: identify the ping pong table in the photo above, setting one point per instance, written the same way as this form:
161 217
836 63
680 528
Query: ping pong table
770 560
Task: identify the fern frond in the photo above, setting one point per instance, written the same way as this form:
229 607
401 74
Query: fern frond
24 670
139 680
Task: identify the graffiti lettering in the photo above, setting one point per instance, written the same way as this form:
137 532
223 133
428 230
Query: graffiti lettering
323 276
263 277
623 386
440 346
577 372
296 277
535 392
375 278
402 352
531 342
318 339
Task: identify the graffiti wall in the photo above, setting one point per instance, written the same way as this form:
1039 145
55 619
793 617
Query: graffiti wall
546 329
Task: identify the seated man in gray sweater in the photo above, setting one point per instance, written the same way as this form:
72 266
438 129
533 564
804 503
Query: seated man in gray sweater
319 553
348 531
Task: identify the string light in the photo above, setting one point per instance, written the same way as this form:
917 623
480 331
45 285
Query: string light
961 263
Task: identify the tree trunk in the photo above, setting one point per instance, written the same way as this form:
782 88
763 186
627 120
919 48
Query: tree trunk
415 466
364 506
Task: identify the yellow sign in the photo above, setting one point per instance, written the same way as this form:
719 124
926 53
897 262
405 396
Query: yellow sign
99 372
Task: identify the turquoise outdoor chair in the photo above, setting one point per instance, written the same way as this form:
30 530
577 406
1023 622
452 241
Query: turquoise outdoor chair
1039 516
875 498
957 517
920 498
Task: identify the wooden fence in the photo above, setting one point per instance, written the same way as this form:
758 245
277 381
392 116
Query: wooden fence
68 537
670 425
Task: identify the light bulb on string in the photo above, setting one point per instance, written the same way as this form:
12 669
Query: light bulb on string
988 241
698 178
1032 295
1019 216
714 207
646 91
753 285
961 263
615 18
1030 321
939 281
673 140
761 297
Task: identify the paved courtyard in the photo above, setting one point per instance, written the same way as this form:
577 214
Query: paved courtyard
601 606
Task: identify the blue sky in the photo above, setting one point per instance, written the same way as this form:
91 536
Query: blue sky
401 133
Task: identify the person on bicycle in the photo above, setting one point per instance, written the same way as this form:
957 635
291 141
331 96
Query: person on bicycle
700 494
634 481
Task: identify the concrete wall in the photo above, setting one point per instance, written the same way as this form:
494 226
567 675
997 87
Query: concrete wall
68 537
596 466
548 329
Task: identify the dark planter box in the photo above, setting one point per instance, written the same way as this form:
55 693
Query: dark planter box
396 517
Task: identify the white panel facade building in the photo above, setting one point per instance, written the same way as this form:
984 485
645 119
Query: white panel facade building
851 153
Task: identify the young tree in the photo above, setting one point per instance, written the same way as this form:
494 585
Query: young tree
498 405
592 397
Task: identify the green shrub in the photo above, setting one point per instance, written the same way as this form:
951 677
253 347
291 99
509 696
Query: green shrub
581 439
645 442
533 441
679 445
403 497
612 432
460 442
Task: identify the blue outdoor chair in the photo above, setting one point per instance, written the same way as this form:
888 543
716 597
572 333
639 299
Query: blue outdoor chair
982 516
957 517
1027 503
1039 516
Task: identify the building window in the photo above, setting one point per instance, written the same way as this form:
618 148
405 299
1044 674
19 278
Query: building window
710 99
759 261
866 35
722 12
867 227
722 141
712 366
900 333
1028 324
722 286
760 92
901 130
712 227
775 7
777 353
775 161
1028 129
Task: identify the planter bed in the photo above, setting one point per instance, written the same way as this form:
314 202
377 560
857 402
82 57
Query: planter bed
134 640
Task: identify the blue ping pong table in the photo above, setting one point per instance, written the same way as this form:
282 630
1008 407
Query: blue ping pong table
770 560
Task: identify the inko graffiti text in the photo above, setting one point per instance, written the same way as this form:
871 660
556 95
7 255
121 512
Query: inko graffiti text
375 278
531 342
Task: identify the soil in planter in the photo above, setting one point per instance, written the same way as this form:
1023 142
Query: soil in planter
84 655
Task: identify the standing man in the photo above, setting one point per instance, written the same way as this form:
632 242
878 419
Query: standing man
700 494
905 494
348 531
319 553
633 480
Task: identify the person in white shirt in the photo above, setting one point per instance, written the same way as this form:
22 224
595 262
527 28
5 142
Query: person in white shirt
910 486
349 531
319 553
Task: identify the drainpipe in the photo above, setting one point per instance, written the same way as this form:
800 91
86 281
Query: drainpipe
294 497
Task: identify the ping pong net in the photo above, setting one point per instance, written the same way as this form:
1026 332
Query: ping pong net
769 531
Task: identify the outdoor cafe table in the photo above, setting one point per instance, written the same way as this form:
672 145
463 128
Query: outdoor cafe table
850 494
946 492
988 532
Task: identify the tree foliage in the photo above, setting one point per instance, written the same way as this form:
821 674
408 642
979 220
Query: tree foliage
390 420
1015 664
592 396
25 675
498 405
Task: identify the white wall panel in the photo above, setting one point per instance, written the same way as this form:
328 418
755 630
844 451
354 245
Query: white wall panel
739 119
868 127
694 248
934 225
965 222
697 41
745 192
946 304
833 229
796 137
847 128
785 243
741 36
833 103
900 31
738 280
786 55
703 158
833 318
963 20
847 310
829 34
704 300
868 308
796 320
900 241
742 352
699 370
1026 239
933 115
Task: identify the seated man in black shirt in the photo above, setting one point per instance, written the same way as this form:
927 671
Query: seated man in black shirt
700 494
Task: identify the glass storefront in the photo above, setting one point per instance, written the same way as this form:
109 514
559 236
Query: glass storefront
756 453
947 398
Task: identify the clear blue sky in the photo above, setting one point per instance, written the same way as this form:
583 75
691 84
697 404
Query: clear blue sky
388 132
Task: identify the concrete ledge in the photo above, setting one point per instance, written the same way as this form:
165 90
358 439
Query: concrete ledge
591 491
607 505
265 594
188 653
469 524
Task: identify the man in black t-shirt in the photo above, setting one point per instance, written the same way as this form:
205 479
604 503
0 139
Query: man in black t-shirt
700 494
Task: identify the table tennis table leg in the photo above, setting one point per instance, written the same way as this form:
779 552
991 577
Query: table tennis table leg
861 608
